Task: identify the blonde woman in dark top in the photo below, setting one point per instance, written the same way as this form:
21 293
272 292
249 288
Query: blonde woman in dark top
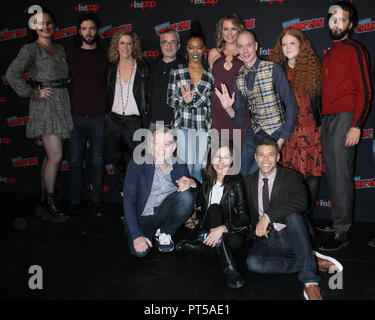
49 112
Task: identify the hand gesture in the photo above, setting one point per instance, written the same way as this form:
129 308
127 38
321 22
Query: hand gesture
214 236
261 228
187 94
352 137
225 99
184 183
46 93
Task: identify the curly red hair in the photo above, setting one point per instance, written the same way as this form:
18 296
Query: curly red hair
307 68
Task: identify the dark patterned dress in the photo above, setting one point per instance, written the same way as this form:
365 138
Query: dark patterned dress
46 117
220 118
303 151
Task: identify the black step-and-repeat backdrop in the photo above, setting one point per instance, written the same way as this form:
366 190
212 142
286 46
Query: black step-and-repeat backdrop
21 158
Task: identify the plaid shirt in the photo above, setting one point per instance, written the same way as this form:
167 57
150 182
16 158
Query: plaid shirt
196 114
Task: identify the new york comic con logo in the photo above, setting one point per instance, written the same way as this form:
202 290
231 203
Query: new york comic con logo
15 121
314 23
178 26
24 162
109 31
365 25
271 1
143 4
364 183
6 34
249 23
205 2
64 33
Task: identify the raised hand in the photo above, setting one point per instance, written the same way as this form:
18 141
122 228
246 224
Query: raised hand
224 97
187 94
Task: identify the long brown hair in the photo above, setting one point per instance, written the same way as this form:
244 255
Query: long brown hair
307 68
237 22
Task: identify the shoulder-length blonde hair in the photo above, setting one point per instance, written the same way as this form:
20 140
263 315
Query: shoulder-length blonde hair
113 51
307 68
237 22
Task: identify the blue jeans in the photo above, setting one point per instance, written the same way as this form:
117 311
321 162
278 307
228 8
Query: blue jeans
168 217
248 163
289 252
87 129
192 148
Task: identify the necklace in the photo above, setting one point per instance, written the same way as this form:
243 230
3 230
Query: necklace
127 91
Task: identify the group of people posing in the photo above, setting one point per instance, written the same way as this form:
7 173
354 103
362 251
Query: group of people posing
284 121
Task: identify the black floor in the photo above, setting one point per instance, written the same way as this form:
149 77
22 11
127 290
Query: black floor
88 258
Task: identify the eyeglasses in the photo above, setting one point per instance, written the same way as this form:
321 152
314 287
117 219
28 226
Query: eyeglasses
165 43
225 159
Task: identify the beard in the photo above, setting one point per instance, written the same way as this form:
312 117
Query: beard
93 40
339 35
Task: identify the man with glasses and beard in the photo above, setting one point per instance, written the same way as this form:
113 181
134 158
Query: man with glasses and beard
346 95
88 68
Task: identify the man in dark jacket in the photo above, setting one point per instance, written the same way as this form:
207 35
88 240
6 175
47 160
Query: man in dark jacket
157 199
276 198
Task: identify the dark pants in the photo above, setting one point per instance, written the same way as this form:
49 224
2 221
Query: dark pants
289 252
339 161
120 141
89 129
168 217
215 218
248 163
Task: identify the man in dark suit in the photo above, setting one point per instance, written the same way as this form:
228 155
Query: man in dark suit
157 199
276 198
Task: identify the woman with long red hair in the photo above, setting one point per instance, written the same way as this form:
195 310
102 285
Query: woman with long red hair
303 151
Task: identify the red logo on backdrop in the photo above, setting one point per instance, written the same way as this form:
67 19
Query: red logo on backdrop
38 142
249 23
8 180
264 52
368 133
178 26
271 1
324 204
26 76
365 25
3 99
13 34
151 54
364 183
110 169
65 33
64 166
105 187
142 4
204 2
87 8
5 140
27 162
315 23
109 31
16 122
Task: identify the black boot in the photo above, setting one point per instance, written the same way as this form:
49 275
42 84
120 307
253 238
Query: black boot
54 209
187 246
234 278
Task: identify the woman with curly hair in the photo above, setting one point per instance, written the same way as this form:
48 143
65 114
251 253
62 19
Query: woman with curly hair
225 63
127 105
303 151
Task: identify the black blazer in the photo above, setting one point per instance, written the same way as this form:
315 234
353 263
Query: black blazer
233 204
140 86
289 195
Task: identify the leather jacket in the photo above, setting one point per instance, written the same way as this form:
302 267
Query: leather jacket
140 86
233 204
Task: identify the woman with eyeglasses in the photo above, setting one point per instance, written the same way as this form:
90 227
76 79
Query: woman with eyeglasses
223 214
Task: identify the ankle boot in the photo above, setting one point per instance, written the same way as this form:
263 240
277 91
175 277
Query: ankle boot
187 246
234 277
54 208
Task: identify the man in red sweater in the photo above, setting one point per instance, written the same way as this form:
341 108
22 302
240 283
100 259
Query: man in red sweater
346 95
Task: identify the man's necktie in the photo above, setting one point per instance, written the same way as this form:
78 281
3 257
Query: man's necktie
265 196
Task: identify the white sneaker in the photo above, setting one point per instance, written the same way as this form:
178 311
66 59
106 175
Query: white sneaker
327 263
165 242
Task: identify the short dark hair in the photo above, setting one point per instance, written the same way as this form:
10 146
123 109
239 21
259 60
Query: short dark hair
267 141
89 16
347 6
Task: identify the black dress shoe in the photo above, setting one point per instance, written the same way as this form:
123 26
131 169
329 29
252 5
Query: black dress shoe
234 278
335 243
371 243
190 246
324 225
